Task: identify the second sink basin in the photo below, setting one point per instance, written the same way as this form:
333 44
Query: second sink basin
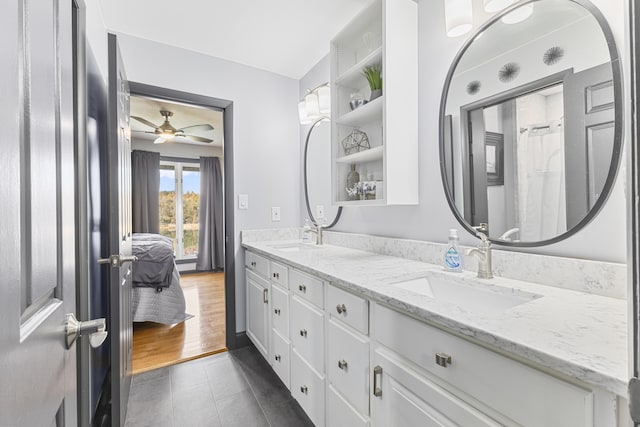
473 297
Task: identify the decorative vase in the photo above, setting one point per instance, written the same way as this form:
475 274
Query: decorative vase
375 94
353 178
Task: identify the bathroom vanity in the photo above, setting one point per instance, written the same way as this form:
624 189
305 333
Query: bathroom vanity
362 338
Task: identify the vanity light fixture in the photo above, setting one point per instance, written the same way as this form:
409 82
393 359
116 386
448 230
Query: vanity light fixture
458 16
316 104
518 15
491 6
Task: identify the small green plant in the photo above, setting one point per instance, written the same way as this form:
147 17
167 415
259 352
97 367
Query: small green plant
373 74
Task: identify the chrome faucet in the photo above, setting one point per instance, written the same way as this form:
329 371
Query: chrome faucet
483 254
318 232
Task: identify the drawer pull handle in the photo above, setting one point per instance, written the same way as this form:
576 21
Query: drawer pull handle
253 263
303 333
342 364
277 311
276 276
265 298
302 288
341 308
304 389
278 357
377 390
443 359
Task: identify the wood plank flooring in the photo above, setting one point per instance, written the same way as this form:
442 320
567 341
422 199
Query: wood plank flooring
156 345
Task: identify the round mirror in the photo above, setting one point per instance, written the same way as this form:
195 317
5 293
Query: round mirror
531 123
317 175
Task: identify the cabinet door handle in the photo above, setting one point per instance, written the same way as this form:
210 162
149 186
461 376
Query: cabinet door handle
443 359
276 275
303 333
278 357
377 390
265 297
253 263
302 288
277 311
304 389
342 364
341 308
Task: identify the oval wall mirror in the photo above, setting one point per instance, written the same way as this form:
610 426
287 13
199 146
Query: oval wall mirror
317 175
531 123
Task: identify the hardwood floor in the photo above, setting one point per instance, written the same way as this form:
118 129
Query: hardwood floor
156 345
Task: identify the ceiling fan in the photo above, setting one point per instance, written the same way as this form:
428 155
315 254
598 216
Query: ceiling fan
167 132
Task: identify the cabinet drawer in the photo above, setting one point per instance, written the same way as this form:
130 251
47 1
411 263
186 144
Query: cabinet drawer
307 287
519 392
280 310
307 387
340 413
279 274
348 365
307 332
351 309
257 263
280 359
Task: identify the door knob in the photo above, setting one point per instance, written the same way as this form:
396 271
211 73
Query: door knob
117 260
96 329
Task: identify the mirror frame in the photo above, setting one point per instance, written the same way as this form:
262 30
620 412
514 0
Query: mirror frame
616 72
306 189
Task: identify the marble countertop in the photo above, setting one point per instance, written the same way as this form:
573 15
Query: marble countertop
577 334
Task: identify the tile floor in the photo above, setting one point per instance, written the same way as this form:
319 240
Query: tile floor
233 389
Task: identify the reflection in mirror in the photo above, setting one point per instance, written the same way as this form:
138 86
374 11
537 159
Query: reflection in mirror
531 123
317 175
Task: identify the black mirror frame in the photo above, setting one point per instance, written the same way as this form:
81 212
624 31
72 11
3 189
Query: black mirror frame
618 127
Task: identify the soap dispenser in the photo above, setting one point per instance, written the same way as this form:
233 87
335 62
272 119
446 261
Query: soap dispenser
306 232
452 255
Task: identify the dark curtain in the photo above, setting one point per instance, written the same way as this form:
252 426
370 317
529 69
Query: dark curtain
210 243
145 182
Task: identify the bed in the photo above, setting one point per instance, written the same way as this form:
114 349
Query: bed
156 293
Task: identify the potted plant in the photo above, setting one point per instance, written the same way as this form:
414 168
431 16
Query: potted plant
373 74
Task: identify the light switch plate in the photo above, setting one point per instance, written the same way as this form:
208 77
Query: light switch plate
275 213
319 211
243 201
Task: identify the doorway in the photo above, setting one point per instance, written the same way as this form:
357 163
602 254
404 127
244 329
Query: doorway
180 130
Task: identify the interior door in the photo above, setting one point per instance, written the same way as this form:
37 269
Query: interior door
37 214
589 137
119 256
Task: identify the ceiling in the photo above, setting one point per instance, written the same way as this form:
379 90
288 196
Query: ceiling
183 115
286 37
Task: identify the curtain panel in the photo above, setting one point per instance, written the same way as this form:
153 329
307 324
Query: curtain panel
211 235
145 182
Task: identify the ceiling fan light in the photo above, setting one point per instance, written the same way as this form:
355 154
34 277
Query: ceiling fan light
324 100
491 6
458 17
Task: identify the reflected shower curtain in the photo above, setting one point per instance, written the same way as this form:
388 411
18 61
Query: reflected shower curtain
211 235
541 184
145 191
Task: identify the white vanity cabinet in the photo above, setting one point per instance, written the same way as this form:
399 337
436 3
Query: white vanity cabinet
280 349
258 311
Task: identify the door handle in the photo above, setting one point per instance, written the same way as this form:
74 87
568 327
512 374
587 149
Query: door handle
96 329
265 299
377 371
116 261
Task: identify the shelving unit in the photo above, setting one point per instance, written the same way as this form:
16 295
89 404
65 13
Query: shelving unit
385 33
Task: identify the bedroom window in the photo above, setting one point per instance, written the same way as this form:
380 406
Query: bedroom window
179 206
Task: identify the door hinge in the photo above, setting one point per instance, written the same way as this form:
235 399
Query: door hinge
634 399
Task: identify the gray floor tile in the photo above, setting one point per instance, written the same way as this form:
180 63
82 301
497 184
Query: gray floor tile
241 410
288 414
195 407
225 378
186 375
150 402
150 375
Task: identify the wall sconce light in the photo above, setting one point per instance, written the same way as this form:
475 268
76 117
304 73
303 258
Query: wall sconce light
458 16
491 6
315 105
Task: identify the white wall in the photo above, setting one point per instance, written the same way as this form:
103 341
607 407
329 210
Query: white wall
603 239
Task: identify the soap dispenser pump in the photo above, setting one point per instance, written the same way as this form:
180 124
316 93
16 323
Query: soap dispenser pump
452 255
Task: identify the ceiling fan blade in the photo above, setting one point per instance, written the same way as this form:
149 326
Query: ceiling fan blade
197 128
145 131
197 138
161 140
145 121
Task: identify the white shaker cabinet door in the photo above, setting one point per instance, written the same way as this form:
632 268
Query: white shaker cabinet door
258 312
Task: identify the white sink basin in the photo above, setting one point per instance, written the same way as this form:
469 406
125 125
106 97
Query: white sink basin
295 247
473 297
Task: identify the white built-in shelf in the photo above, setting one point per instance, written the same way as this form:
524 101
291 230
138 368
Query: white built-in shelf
351 76
364 114
369 155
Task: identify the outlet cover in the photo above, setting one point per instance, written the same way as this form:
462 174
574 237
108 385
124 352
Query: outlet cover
243 201
275 213
319 211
